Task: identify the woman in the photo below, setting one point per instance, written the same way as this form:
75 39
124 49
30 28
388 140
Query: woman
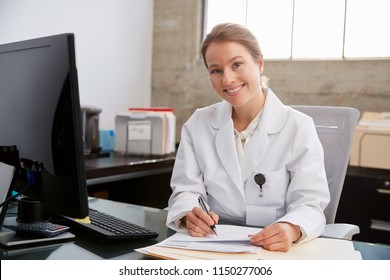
249 136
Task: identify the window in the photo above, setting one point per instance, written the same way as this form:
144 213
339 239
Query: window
366 27
309 28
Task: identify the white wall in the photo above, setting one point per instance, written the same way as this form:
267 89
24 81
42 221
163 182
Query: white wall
113 45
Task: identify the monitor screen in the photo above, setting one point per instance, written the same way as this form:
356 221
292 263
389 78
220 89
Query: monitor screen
40 115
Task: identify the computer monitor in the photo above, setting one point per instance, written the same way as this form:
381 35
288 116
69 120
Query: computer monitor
40 114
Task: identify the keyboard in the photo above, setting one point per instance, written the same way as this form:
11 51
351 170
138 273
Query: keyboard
43 229
105 226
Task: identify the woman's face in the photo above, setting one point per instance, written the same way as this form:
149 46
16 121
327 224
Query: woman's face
234 75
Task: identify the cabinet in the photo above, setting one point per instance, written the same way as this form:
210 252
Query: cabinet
365 201
131 179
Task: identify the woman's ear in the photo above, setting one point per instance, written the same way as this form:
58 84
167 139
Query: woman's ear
260 62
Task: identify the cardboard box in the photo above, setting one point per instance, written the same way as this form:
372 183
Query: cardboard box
371 145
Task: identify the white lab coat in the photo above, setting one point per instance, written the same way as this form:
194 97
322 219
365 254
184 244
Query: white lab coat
284 147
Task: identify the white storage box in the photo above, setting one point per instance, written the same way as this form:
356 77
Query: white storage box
144 132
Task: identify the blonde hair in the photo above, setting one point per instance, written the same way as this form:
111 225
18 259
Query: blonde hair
232 32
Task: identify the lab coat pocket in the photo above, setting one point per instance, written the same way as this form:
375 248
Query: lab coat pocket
260 215
273 191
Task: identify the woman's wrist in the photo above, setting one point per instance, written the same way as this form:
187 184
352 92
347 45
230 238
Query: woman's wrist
182 222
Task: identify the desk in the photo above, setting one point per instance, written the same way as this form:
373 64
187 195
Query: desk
365 201
85 248
131 179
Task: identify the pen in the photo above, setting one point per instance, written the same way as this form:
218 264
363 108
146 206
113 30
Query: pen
204 208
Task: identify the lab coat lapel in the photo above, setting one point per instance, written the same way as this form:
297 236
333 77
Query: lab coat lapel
255 151
224 143
271 121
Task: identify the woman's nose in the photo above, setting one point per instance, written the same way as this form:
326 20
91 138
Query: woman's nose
228 77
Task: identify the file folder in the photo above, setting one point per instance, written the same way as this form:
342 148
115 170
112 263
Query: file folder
145 131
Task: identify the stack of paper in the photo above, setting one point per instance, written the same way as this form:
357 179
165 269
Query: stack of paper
230 239
232 242
145 131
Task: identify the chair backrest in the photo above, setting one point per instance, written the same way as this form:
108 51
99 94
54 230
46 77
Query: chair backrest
335 127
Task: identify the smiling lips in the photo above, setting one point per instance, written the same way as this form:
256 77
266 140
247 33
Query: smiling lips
233 91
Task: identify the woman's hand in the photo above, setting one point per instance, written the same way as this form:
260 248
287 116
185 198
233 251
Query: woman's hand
277 237
198 222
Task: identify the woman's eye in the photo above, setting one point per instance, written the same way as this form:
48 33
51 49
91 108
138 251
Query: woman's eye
237 64
215 71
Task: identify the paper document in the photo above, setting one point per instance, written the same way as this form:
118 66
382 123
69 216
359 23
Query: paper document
230 239
222 246
225 233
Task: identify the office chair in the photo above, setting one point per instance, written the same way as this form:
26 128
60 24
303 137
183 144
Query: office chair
335 127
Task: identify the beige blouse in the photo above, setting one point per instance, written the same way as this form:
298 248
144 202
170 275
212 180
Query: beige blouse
242 138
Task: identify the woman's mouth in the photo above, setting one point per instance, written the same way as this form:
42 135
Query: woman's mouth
233 91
